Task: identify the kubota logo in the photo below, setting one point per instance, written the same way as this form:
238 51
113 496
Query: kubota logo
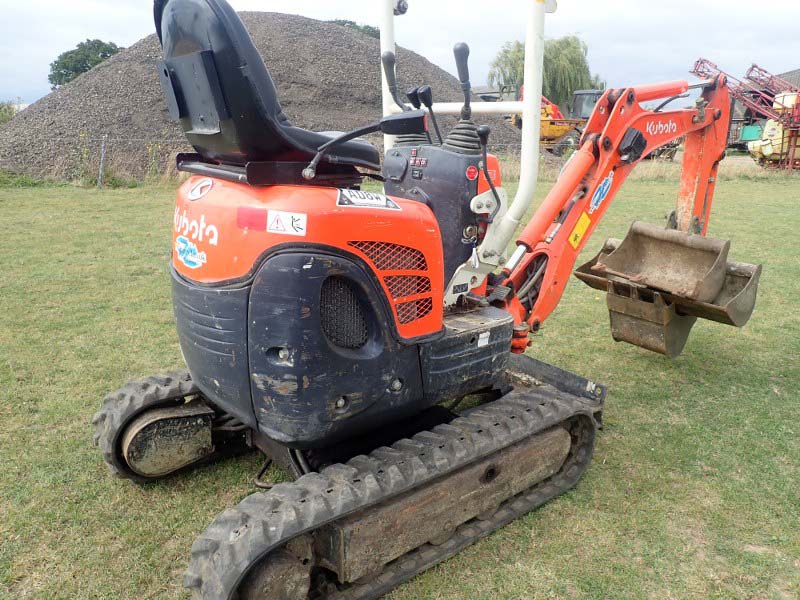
195 230
660 128
201 189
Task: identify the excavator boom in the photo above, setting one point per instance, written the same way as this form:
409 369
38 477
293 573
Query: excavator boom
619 134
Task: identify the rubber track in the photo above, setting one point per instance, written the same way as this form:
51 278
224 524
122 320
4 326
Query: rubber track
121 406
241 536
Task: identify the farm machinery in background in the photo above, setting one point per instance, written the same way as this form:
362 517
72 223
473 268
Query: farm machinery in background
561 134
770 130
374 344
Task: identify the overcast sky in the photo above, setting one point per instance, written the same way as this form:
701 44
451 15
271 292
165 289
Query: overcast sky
630 41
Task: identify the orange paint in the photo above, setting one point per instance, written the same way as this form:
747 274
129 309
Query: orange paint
597 171
225 232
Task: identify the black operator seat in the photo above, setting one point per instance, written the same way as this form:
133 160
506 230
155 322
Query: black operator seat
217 85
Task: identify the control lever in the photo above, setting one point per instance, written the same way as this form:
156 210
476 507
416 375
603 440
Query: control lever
426 97
413 97
483 133
389 63
461 52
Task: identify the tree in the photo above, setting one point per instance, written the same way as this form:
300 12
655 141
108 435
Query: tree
84 57
507 69
365 29
566 68
7 111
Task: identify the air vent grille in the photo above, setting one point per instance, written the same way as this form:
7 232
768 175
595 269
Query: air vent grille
343 320
407 312
392 262
392 257
403 286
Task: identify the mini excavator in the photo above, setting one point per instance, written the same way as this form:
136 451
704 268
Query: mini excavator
373 344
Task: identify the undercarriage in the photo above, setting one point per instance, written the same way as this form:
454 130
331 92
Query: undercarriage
358 528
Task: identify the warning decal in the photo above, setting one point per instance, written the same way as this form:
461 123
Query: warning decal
286 223
576 237
359 199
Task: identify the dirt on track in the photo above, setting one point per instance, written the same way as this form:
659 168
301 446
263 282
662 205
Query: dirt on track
328 78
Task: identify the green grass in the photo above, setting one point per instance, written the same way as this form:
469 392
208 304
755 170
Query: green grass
693 492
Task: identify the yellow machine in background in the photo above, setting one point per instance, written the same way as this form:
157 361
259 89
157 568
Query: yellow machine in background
560 134
777 141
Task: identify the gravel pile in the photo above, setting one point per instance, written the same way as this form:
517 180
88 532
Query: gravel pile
327 77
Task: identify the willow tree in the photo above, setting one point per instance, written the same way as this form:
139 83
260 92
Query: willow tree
507 69
566 68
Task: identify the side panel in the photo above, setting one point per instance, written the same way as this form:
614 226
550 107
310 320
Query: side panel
323 362
212 329
223 229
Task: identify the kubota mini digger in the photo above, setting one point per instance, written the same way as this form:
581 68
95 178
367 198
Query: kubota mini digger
338 330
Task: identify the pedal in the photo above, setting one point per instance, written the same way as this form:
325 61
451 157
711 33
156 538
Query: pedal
475 300
499 294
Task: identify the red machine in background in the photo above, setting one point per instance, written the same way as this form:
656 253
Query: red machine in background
772 100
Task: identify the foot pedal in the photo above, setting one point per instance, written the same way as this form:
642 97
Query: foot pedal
499 294
660 281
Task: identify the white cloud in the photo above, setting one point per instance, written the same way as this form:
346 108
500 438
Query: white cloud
630 41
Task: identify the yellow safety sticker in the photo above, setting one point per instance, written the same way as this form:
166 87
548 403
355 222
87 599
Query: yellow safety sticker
576 237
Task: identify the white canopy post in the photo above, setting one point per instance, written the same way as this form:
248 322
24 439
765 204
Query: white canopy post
387 45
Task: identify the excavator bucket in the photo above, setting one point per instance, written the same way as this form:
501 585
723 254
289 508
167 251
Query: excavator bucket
689 266
659 282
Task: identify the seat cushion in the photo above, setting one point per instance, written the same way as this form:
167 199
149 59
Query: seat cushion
358 152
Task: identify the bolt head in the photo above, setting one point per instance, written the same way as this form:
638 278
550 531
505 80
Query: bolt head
396 385
341 403
283 354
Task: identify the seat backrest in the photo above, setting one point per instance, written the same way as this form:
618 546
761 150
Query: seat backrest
218 87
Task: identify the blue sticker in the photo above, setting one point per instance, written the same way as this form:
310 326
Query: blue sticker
601 193
188 253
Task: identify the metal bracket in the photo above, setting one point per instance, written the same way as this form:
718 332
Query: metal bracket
472 273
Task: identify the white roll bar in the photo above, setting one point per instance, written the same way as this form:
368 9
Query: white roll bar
495 246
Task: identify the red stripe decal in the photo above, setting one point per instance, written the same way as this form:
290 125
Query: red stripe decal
251 218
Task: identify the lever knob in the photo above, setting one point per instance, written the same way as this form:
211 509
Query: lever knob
413 97
483 133
389 63
461 52
426 95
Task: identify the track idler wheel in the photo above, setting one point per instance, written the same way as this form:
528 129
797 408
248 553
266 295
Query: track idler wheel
282 575
154 427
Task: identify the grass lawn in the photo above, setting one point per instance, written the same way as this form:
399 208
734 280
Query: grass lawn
694 491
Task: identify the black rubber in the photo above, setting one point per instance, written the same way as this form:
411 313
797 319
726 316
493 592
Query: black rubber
127 403
240 537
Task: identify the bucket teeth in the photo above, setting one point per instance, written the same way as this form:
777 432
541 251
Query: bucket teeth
660 281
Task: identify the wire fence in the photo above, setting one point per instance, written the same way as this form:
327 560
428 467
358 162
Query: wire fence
108 160
113 161
99 160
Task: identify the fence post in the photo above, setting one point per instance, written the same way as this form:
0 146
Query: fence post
102 160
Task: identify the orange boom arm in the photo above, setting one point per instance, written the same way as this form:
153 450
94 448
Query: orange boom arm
619 134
